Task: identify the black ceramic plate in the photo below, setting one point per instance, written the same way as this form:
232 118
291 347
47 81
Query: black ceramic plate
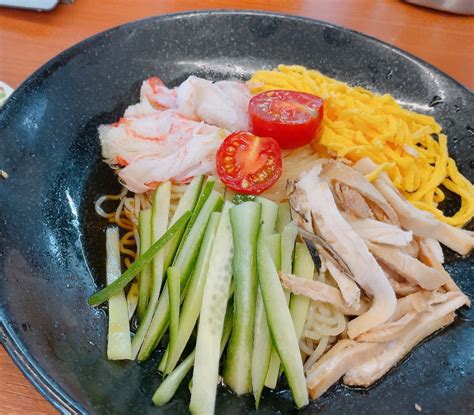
52 243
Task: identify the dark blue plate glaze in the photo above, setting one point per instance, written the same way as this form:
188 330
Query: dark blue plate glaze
52 243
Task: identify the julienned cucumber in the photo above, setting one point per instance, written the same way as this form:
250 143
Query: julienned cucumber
144 231
288 237
170 384
274 248
168 387
262 347
303 267
118 338
245 223
281 326
189 247
184 262
187 202
174 291
204 195
262 343
269 214
132 299
193 300
230 309
283 216
159 223
211 320
104 294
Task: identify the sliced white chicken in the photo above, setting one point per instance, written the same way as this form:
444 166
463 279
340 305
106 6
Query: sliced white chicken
319 291
423 301
349 289
411 248
335 171
432 255
401 288
433 249
422 223
392 330
410 268
441 315
379 232
352 202
342 357
416 302
373 369
407 315
313 194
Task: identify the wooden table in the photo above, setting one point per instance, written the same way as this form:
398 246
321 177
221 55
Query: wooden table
28 39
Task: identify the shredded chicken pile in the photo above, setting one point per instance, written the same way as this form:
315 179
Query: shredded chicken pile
397 292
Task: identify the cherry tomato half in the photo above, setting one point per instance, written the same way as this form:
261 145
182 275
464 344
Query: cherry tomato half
291 118
247 163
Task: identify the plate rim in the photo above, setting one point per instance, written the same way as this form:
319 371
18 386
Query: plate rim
28 365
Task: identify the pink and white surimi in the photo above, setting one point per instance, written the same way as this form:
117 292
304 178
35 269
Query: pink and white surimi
173 134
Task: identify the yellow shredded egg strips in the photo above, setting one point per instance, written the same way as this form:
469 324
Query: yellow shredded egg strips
358 123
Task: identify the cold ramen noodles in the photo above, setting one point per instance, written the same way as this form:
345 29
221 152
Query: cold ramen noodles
233 191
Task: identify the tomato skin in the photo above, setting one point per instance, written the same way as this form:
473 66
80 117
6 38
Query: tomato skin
248 164
292 118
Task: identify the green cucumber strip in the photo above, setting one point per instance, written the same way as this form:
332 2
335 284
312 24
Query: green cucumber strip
281 326
163 361
158 326
211 320
184 262
206 191
189 249
159 223
132 299
288 238
174 292
273 372
187 202
104 294
118 338
193 300
169 386
283 216
262 347
274 248
269 214
303 267
227 329
262 342
144 284
238 366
